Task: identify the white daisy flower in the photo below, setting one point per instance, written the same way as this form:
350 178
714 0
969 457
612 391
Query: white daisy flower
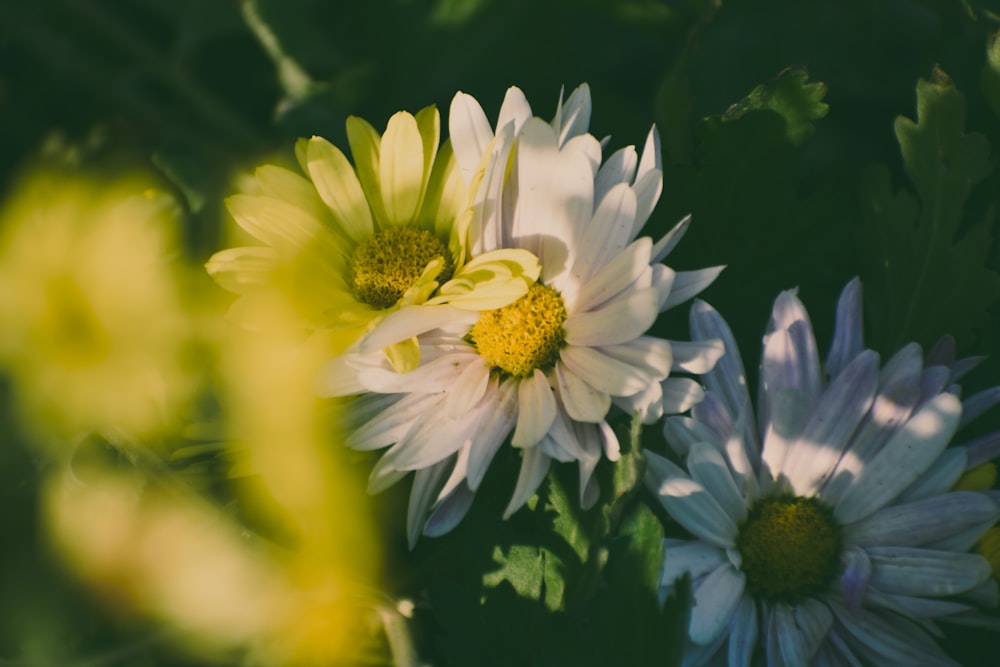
829 534
545 369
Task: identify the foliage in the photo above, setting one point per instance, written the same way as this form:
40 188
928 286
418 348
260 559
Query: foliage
807 151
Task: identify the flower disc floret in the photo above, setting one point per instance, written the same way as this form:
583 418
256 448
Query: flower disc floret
790 548
524 335
387 263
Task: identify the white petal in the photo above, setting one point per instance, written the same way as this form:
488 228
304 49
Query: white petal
620 321
740 463
609 442
425 487
573 118
727 377
688 284
470 132
555 192
919 607
713 413
391 425
708 468
652 355
607 233
588 148
848 338
923 521
693 558
647 405
690 504
801 630
743 633
679 394
618 274
939 478
384 476
604 373
495 424
670 240
412 321
857 572
884 641
979 403
563 441
487 226
338 378
811 458
514 109
618 168
449 511
790 410
582 402
681 433
438 374
911 451
783 369
534 466
648 179
469 387
892 406
536 410
430 441
923 572
715 601
698 357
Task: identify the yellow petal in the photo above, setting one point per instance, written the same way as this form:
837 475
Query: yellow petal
424 286
301 151
241 270
365 149
491 281
286 228
404 356
429 124
338 187
281 183
447 195
402 169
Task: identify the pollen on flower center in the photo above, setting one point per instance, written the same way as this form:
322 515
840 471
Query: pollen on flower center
790 548
524 335
389 262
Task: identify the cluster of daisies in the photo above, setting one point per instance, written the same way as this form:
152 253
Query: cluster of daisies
494 290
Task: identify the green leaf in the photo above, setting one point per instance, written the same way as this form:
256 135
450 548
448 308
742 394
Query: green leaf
792 97
925 263
628 605
756 210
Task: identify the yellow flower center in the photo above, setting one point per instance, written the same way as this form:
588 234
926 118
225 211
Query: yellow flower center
524 335
790 548
389 262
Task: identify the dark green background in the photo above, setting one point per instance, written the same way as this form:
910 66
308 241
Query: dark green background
199 90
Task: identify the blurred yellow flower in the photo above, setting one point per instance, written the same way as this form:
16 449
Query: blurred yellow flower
302 593
93 329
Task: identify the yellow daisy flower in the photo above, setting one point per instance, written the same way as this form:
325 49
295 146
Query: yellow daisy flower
93 329
350 245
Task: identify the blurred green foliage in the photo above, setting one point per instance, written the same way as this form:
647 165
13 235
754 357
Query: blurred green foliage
811 141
